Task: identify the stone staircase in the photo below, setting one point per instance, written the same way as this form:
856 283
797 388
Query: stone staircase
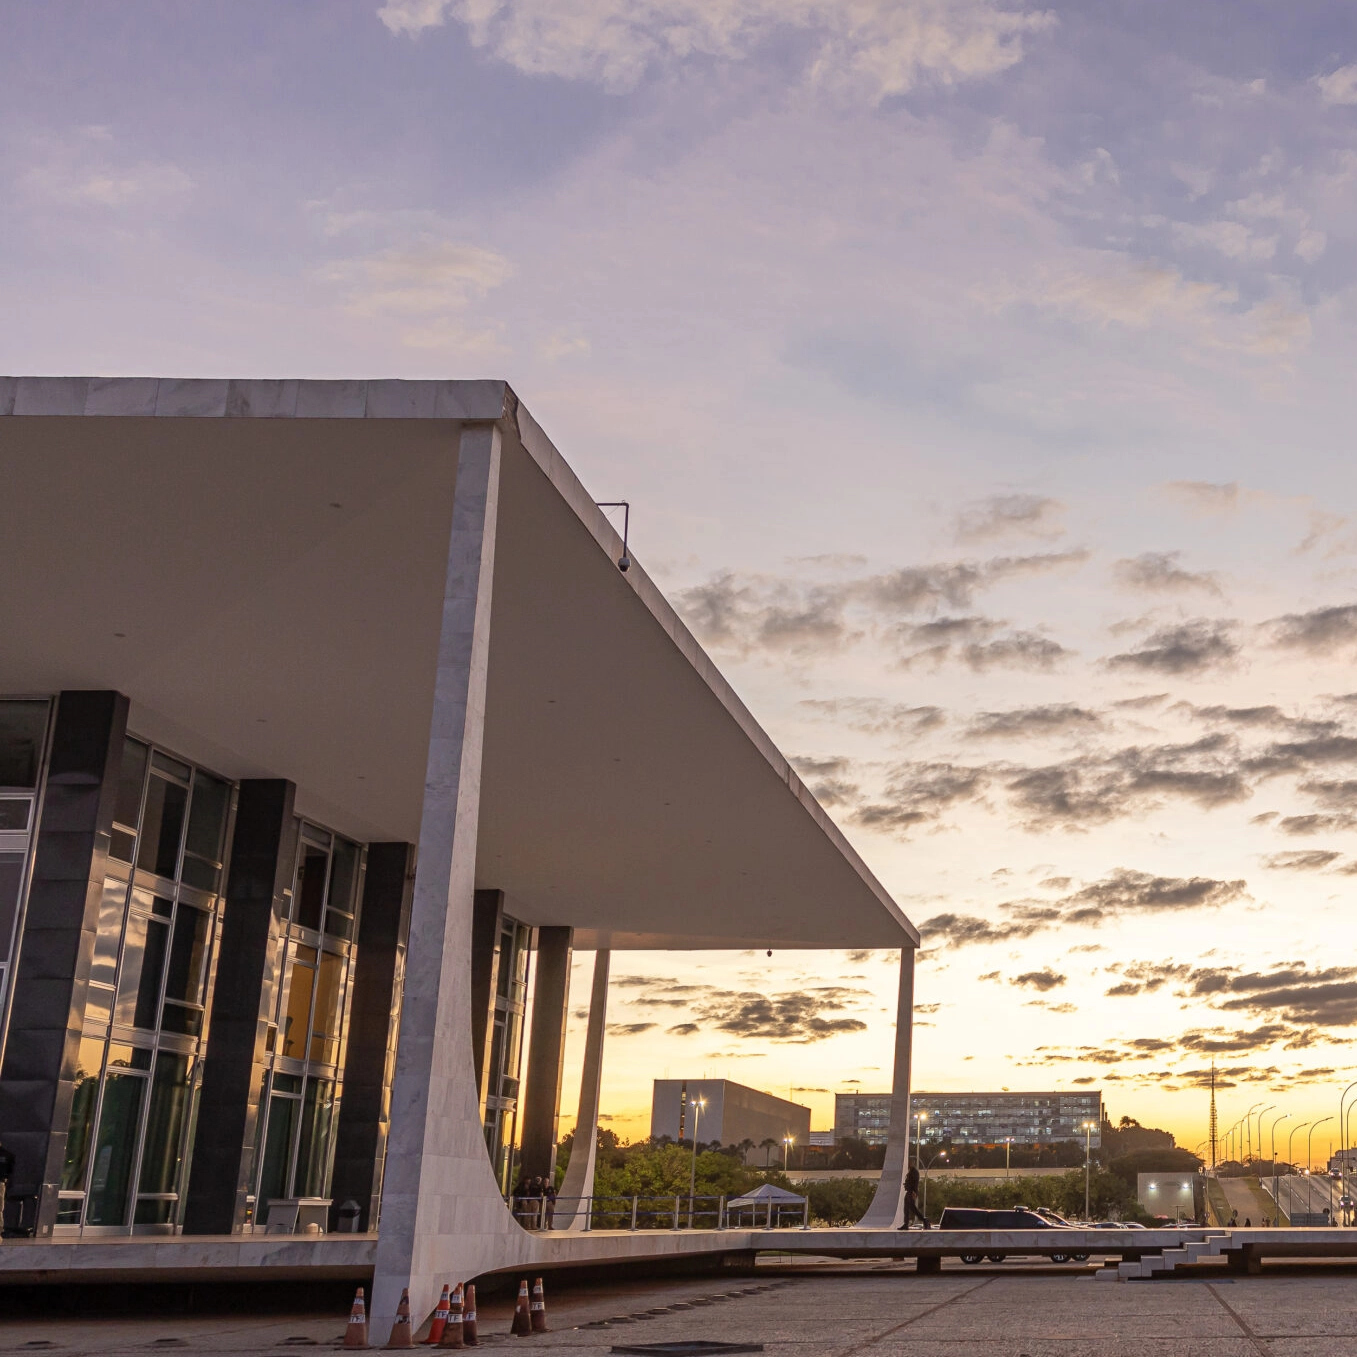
1153 1264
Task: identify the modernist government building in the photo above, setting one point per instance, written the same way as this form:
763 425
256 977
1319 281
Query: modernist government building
333 718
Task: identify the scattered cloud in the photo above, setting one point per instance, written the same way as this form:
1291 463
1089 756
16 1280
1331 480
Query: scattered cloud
1120 893
878 48
1322 631
1011 515
1043 980
1033 722
872 716
804 1016
417 278
1187 648
1307 860
1158 572
1338 87
1205 497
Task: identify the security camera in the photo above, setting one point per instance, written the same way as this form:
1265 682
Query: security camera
624 564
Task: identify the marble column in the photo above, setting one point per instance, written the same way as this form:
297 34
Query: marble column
885 1210
378 982
254 920
442 1215
573 1213
56 942
540 1099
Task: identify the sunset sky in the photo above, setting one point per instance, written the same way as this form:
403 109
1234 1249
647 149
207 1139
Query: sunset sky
980 376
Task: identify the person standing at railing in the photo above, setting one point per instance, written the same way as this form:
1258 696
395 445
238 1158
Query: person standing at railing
549 1201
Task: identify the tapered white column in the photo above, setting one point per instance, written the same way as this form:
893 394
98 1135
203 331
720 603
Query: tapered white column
441 1210
573 1213
885 1210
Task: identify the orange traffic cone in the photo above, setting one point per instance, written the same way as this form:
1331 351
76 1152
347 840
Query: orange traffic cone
522 1325
440 1319
400 1329
356 1334
469 1318
452 1330
537 1311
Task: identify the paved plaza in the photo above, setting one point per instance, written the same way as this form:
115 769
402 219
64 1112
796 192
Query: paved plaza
1297 1311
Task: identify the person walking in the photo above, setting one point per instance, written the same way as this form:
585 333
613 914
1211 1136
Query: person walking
912 1199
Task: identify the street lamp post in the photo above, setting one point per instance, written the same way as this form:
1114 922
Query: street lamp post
1271 1107
923 1191
1248 1131
1343 1142
1008 1155
1309 1163
1088 1158
698 1105
1292 1193
1286 1116
919 1119
787 1143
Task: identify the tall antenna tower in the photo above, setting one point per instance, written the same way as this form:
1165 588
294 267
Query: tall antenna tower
1211 1136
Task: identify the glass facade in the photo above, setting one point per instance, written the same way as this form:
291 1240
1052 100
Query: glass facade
509 998
975 1118
303 1083
23 738
147 1004
147 1001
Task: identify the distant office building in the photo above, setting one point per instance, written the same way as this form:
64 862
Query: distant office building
821 1140
975 1118
727 1112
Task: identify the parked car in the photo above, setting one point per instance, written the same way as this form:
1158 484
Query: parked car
1110 1225
1019 1218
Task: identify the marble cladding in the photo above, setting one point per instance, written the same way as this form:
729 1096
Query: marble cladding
215 398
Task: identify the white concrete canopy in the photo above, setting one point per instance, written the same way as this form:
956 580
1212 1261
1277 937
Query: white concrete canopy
260 567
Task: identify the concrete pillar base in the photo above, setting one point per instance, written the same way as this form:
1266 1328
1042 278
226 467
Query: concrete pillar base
928 1265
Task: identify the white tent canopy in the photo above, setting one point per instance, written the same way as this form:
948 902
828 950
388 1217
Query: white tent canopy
766 1194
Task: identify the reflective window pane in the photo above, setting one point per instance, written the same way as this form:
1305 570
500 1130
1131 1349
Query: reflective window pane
88 1061
325 1023
128 805
143 964
161 827
343 889
313 1152
186 976
273 1177
23 729
296 1013
165 1123
203 846
112 907
114 1146
15 813
309 894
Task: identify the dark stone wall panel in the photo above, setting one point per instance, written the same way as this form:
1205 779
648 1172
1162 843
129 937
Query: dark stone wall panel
365 1111
56 943
263 853
546 1052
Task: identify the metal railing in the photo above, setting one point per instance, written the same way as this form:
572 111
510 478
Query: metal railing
653 1213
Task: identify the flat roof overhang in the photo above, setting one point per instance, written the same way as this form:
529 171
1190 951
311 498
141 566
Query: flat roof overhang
259 566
